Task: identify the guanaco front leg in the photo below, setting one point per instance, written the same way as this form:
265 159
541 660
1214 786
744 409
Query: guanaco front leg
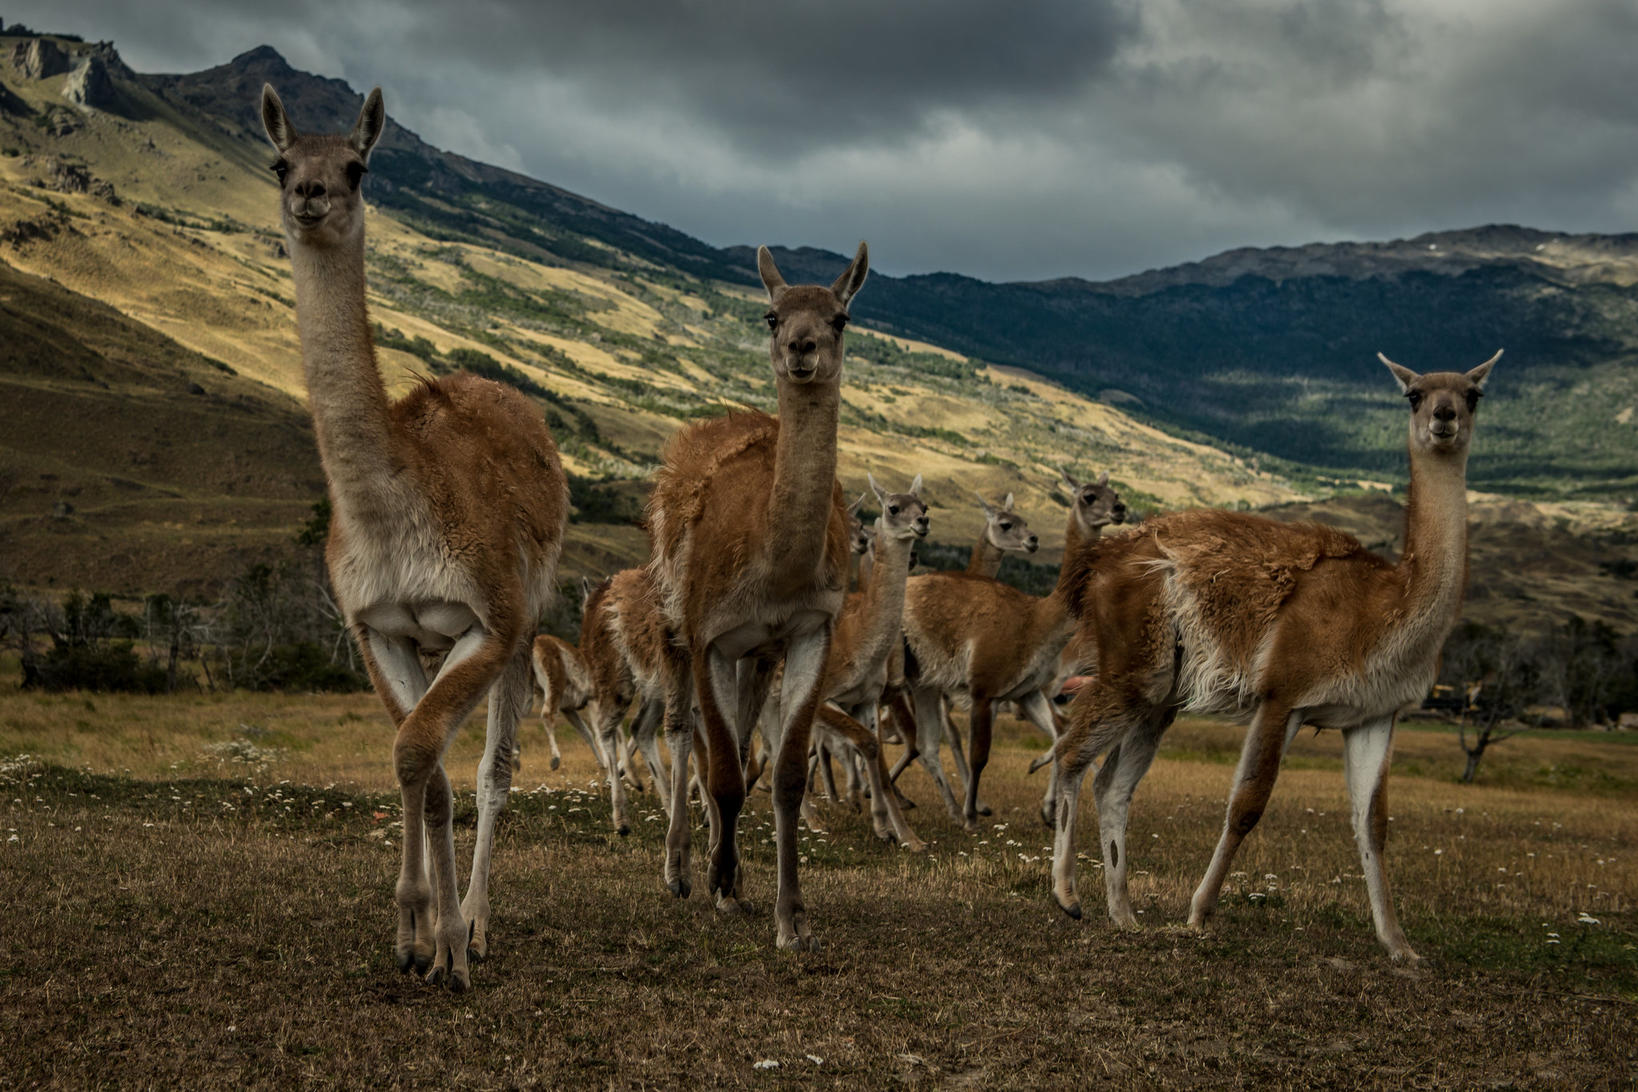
1366 752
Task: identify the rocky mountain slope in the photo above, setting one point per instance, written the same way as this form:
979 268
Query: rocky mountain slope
154 438
1270 350
152 215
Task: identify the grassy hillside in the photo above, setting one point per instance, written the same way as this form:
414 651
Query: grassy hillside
1269 350
181 247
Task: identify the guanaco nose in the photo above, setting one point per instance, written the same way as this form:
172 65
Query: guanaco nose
1445 413
1032 542
310 190
803 346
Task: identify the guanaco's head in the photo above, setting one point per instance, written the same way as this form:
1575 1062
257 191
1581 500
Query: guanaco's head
1442 404
1096 502
1006 529
858 535
807 320
320 174
903 514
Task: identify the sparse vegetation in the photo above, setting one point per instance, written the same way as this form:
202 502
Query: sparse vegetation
945 966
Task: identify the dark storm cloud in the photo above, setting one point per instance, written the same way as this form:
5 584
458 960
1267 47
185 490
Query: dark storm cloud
777 78
1001 140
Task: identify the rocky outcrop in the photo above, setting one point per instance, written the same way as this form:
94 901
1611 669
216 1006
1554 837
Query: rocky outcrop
59 174
39 58
65 176
90 84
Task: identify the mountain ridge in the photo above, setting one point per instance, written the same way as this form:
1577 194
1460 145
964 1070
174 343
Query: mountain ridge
166 215
1207 349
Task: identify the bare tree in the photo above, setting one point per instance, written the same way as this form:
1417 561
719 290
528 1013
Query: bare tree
1499 673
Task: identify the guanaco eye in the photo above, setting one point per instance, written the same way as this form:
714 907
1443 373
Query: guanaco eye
281 168
892 509
1005 526
355 173
1473 397
839 322
1415 398
772 319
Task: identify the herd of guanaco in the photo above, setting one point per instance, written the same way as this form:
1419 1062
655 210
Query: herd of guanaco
450 507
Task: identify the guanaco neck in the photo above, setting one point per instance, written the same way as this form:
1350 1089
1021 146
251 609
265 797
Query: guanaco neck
799 505
986 557
884 597
1052 620
1434 562
344 389
1075 537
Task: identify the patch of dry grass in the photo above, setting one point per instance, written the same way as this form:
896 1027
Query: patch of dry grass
193 902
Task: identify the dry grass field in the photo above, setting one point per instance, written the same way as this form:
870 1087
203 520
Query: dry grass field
198 893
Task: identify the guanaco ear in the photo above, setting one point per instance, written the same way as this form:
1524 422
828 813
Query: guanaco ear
1069 483
371 121
1103 479
586 589
984 504
853 509
881 494
771 278
915 486
1006 503
1403 374
853 277
1478 375
277 123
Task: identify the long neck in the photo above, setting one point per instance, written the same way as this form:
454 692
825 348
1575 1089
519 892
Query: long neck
804 475
986 556
344 389
1434 562
884 598
1074 538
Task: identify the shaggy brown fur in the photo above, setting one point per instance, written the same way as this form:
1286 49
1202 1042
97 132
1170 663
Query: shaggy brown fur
750 551
449 509
1222 611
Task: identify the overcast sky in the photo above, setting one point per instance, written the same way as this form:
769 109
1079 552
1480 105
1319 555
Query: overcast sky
1006 140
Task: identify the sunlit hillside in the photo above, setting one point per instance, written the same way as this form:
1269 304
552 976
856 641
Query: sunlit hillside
171 222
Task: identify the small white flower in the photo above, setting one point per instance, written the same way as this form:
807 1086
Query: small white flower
815 1059
766 1063
1586 919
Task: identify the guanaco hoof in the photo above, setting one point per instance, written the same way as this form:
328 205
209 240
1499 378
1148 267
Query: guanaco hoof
625 829
727 905
1073 909
680 887
556 762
